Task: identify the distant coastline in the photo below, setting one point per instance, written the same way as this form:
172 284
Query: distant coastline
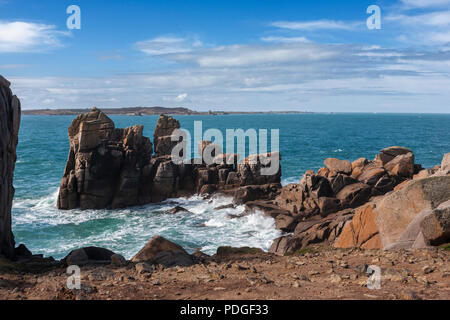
146 111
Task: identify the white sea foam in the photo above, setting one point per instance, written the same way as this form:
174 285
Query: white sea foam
290 180
45 229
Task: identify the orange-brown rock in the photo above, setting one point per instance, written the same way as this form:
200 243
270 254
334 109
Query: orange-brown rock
371 175
401 165
361 231
390 216
359 163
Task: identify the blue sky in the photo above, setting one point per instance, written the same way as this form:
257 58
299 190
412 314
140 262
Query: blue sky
229 55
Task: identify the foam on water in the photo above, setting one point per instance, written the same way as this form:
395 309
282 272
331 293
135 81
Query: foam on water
126 231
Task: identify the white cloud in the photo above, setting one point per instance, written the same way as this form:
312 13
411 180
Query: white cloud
305 76
425 3
246 55
433 19
315 25
432 28
286 39
21 36
181 97
167 45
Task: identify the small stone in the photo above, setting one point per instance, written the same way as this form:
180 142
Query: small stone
304 278
144 267
409 295
156 282
427 270
296 284
335 278
219 289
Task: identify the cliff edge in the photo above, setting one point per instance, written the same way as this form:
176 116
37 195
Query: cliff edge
9 130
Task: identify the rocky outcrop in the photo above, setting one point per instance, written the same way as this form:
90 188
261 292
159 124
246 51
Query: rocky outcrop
116 168
342 184
9 129
365 204
407 218
106 167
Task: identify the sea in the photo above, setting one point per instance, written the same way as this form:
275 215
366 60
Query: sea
305 140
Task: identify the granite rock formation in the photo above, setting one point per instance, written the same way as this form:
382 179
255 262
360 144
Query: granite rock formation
116 168
9 129
365 204
413 217
106 167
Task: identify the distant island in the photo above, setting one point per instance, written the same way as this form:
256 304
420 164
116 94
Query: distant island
144 111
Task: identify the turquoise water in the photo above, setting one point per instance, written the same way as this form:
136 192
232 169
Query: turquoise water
305 141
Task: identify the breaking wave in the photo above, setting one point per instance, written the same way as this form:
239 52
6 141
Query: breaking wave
45 229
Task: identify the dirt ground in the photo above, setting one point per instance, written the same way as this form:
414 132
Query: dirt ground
314 273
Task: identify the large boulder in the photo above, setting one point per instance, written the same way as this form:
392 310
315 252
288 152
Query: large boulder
312 231
339 166
89 255
256 192
159 250
435 227
354 195
396 219
389 153
9 130
402 165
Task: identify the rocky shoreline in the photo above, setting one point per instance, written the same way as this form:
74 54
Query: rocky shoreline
389 211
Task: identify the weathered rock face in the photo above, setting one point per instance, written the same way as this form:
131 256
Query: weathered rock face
115 168
361 231
9 129
107 167
403 219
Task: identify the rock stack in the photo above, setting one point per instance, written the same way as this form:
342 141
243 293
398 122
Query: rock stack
116 168
106 167
9 129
